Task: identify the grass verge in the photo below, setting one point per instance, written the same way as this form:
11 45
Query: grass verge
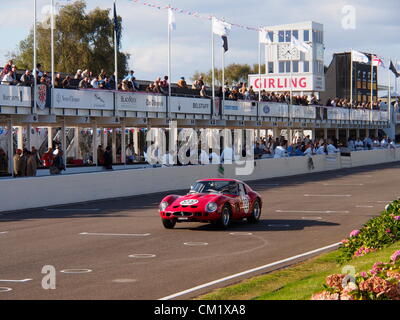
298 282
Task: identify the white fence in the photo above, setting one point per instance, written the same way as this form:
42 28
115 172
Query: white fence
57 190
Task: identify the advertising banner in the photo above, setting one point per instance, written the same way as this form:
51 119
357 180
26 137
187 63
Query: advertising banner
273 109
240 108
338 113
132 101
190 105
15 96
83 99
303 112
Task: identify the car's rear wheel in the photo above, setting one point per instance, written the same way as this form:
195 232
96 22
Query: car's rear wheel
256 213
225 218
168 223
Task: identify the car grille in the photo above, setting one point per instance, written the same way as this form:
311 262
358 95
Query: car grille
193 207
183 214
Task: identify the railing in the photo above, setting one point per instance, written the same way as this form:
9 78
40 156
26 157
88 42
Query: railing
118 101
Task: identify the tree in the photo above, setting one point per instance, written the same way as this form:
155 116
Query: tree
234 73
81 41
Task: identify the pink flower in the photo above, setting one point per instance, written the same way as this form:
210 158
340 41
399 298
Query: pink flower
354 233
363 274
388 231
397 218
325 295
395 256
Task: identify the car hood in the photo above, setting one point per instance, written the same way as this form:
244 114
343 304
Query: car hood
196 199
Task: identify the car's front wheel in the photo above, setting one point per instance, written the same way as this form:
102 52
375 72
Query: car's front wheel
225 218
168 223
256 213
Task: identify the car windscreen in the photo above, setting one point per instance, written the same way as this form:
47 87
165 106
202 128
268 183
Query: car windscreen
225 187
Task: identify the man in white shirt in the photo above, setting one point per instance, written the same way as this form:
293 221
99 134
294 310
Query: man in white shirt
384 142
280 151
331 148
321 149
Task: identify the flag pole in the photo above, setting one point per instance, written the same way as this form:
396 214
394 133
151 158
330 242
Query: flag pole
34 57
372 81
169 64
223 76
390 96
259 68
115 50
351 79
52 50
212 62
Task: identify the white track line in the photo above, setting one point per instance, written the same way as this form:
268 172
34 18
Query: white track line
343 184
327 195
298 211
24 280
208 284
364 206
72 210
3 232
115 234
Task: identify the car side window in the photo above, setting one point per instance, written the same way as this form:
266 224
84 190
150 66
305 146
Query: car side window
242 189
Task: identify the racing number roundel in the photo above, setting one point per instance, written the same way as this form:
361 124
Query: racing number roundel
245 203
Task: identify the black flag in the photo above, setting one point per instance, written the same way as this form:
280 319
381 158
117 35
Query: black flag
225 44
394 70
117 26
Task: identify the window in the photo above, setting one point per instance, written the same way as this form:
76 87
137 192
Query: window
296 34
295 66
288 36
242 189
306 35
306 66
281 67
281 36
270 67
287 66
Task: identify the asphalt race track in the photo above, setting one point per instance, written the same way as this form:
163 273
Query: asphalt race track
118 249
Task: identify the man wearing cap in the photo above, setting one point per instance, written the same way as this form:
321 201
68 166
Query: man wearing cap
18 164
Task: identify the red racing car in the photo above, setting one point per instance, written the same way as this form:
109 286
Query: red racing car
212 200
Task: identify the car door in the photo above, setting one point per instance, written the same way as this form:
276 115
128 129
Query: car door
244 200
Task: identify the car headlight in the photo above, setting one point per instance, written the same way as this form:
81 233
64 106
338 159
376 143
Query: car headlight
211 207
163 205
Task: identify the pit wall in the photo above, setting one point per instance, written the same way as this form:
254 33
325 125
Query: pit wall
25 193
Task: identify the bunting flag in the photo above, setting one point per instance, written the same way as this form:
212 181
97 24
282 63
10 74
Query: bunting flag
378 62
359 57
171 19
300 45
393 69
225 43
222 29
117 26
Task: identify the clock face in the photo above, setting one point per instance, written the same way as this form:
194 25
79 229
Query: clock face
286 52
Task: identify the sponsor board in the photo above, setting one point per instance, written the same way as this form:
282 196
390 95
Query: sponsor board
240 108
273 109
279 83
338 113
190 105
83 99
15 96
303 112
130 101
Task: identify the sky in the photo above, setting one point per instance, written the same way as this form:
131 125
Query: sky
376 27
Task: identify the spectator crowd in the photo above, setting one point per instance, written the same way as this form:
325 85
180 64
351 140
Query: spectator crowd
86 79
